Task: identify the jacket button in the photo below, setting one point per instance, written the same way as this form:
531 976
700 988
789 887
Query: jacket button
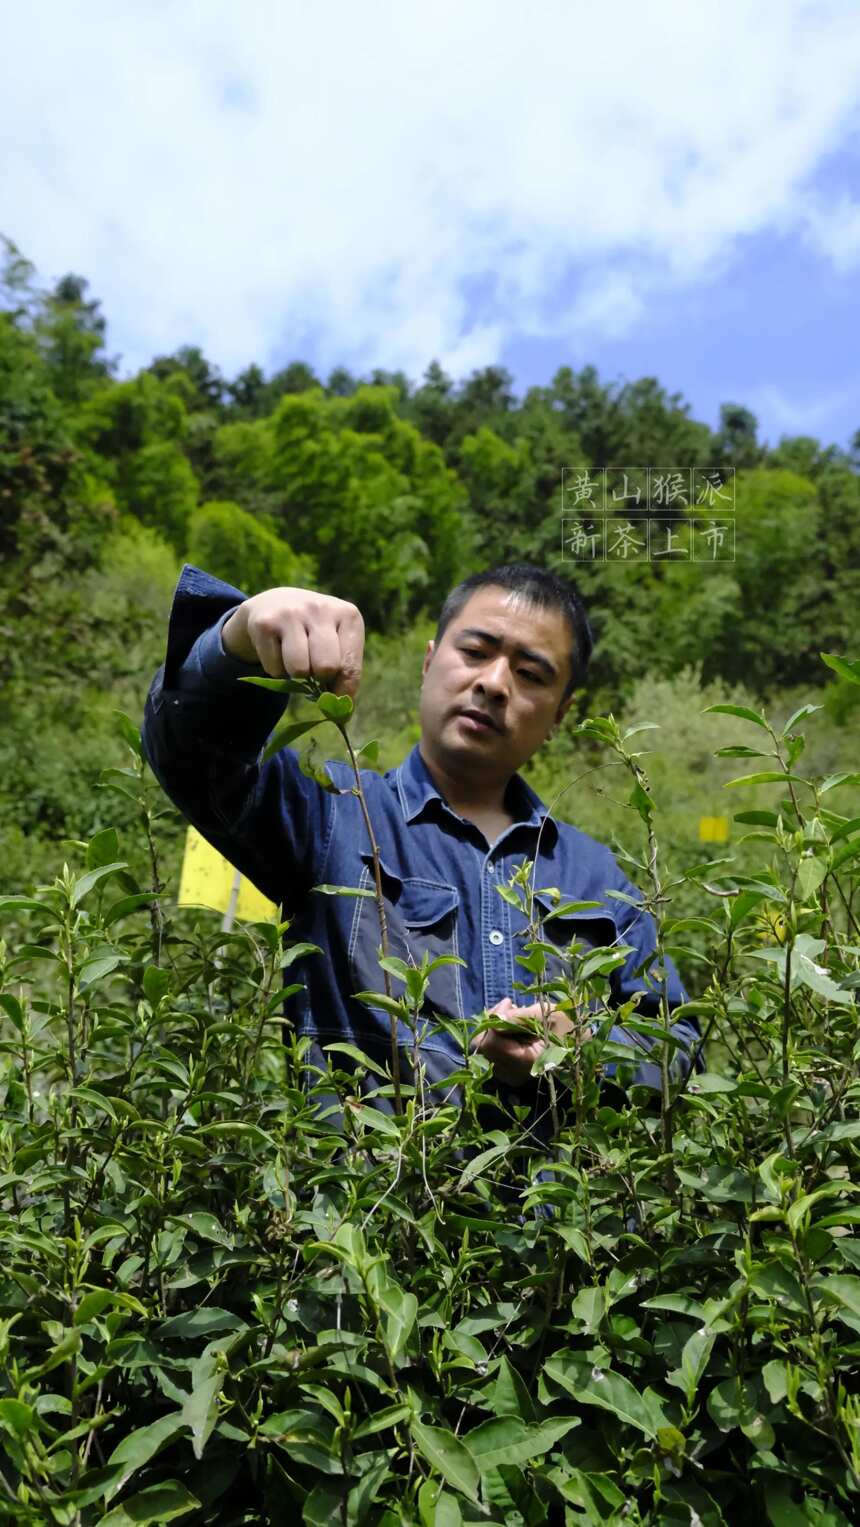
496 937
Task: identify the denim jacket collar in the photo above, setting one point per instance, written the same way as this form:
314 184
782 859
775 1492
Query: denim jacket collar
415 788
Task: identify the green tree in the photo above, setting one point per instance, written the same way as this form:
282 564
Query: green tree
737 441
160 489
244 466
378 533
245 550
207 383
123 417
341 383
432 408
71 330
804 455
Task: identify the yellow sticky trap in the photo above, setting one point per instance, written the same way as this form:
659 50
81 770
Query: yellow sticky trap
207 880
713 829
252 906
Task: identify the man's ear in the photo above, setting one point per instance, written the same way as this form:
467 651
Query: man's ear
562 712
428 653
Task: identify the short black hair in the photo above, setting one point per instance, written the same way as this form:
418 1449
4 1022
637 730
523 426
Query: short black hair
544 590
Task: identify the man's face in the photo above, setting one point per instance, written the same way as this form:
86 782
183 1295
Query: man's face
503 658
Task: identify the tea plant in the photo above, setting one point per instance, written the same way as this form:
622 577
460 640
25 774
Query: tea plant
223 1300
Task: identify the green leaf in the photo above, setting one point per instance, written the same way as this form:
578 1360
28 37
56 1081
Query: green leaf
847 668
804 1205
709 1081
103 848
342 890
507 1439
810 873
68 1345
509 1395
156 983
140 1446
775 1281
736 710
322 1506
833 780
200 1410
13 1010
98 1299
17 1417
448 1456
694 1361
483 1159
279 686
782 1510
205 1321
85 883
643 726
93 970
158 1503
401 1310
591 1385
768 777
129 732
335 707
436 1507
286 732
567 908
395 1005
28 904
358 1056
842 1289
203 1224
799 715
127 904
361 1496
640 801
380 1420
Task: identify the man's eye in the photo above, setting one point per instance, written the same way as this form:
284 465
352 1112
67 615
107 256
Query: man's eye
527 673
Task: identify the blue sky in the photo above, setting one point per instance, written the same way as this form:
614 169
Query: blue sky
667 190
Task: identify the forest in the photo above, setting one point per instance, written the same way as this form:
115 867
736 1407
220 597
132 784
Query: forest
215 1305
385 493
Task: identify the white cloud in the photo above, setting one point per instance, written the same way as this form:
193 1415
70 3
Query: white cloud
269 179
797 418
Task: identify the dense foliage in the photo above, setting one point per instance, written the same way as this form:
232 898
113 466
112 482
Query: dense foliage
380 491
233 1290
236 1291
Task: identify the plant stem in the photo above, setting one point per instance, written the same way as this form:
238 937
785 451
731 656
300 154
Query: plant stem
380 911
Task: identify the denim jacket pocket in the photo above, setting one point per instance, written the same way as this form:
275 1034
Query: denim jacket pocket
422 917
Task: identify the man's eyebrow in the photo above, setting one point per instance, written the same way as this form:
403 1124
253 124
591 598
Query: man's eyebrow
496 641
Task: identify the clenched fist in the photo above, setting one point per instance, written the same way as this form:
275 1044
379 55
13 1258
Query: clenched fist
299 634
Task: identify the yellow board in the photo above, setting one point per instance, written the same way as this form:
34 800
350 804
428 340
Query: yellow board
713 829
207 881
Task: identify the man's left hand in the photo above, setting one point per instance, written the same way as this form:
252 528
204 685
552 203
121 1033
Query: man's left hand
512 1058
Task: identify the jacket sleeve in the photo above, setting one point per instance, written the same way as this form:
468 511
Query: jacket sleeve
636 927
202 735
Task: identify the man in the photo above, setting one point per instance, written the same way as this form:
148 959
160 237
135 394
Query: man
451 822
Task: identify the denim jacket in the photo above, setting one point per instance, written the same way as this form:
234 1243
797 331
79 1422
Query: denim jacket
203 735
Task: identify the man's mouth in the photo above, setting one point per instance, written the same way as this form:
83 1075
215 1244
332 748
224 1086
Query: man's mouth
479 720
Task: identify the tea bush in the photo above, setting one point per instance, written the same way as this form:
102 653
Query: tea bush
233 1290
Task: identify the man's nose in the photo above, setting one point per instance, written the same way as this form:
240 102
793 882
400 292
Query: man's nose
494 678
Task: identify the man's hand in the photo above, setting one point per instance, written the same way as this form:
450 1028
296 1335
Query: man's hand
298 634
512 1058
